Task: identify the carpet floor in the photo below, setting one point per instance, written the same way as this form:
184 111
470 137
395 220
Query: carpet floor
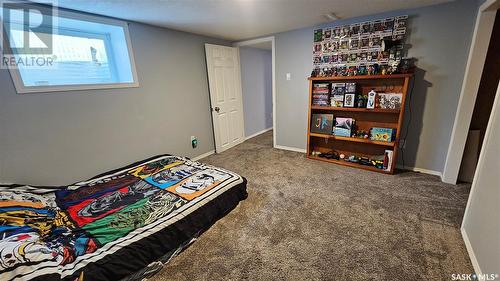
310 220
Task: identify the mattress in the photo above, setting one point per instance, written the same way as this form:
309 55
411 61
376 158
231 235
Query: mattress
113 225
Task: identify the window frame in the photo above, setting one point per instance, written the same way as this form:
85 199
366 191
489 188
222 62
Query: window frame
22 89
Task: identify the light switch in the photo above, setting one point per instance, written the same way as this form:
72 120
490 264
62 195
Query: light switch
288 76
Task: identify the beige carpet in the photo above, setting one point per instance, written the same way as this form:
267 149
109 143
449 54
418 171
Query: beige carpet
309 220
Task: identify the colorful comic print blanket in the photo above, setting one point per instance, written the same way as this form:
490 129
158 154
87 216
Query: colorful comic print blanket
61 230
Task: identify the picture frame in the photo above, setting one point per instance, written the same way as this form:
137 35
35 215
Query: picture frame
349 99
343 126
322 123
390 100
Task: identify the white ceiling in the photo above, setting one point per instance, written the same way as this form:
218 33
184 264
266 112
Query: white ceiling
237 19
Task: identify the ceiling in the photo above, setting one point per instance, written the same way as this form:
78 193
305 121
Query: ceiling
237 19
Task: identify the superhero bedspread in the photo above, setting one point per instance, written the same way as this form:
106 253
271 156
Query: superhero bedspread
113 225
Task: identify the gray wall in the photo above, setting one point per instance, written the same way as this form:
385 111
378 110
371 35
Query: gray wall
439 37
256 83
481 222
60 138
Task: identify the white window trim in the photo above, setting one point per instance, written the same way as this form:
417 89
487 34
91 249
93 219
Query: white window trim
21 89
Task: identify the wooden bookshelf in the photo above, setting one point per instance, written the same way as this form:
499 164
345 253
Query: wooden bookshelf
365 120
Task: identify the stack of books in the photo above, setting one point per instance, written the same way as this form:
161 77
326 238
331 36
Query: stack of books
321 94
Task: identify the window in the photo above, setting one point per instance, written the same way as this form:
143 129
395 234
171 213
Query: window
85 52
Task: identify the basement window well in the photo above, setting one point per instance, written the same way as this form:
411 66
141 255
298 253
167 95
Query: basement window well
52 50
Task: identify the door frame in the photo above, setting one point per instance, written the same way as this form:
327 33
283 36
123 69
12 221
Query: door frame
273 58
470 86
480 166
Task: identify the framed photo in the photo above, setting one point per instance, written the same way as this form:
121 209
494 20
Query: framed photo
390 100
322 123
343 126
349 99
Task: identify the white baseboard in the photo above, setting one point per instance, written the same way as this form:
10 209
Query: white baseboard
472 256
203 155
290 148
421 170
258 133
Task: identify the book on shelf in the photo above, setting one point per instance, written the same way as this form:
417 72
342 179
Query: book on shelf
321 94
383 134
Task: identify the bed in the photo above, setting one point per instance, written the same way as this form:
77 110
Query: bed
124 224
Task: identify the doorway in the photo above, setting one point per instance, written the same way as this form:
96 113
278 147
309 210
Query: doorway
258 87
483 106
476 63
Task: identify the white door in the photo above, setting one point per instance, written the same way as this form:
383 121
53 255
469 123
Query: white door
224 79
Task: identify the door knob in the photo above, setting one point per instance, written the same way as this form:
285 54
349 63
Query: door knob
217 109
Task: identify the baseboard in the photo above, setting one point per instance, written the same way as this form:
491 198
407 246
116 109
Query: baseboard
203 155
420 170
290 148
472 256
258 133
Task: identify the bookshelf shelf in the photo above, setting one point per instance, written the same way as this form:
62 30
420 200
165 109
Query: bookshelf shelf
365 120
355 109
350 164
360 140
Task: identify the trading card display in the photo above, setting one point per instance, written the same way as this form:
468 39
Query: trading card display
360 44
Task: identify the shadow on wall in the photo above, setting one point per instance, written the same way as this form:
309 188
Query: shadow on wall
413 122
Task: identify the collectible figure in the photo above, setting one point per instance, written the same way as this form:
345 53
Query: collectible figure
407 65
371 99
362 70
370 70
361 102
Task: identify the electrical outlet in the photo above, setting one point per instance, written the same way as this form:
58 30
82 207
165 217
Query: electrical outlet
288 76
194 142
